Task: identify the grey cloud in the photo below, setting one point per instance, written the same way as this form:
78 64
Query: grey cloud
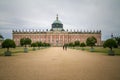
75 14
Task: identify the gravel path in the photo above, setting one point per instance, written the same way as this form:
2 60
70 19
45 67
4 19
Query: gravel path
55 64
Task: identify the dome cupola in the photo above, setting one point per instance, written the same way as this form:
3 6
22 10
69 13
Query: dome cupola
57 21
57 25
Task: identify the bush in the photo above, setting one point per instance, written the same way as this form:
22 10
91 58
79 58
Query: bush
110 43
77 43
82 45
8 43
34 45
117 40
71 44
91 42
25 42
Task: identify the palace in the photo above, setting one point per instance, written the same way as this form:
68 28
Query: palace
56 36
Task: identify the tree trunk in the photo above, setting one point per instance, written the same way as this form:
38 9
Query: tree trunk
7 53
91 47
7 49
25 46
111 52
111 48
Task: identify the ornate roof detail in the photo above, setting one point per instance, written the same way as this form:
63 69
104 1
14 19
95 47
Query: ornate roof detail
57 20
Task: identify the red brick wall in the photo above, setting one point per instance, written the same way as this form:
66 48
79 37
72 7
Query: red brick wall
55 39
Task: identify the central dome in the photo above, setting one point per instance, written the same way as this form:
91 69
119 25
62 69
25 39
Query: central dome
57 21
57 25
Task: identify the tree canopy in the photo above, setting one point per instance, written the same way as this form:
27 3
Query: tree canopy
117 40
8 43
77 43
45 44
71 44
91 41
25 41
110 43
34 45
1 38
39 44
82 44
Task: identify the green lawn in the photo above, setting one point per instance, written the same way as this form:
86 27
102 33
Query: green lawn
100 50
15 50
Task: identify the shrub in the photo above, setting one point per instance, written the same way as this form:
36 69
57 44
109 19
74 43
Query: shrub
91 42
77 43
34 45
82 45
110 43
8 43
25 42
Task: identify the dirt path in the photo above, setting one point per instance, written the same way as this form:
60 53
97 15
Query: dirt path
55 64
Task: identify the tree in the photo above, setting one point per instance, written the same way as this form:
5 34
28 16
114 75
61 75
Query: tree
1 37
117 40
1 40
71 44
39 44
82 45
25 42
91 42
8 43
34 45
22 41
45 44
110 43
77 43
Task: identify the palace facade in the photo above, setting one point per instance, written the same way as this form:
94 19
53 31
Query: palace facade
56 36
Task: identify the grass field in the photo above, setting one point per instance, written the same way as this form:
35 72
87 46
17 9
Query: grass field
100 50
96 49
15 50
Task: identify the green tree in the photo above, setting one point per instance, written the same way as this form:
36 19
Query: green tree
25 42
8 43
39 44
34 45
110 43
82 45
91 42
77 43
45 44
66 45
1 37
71 44
1 40
117 40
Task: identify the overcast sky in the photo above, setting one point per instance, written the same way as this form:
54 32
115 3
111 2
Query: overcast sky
101 15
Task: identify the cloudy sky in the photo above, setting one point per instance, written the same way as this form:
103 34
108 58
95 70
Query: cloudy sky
101 15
